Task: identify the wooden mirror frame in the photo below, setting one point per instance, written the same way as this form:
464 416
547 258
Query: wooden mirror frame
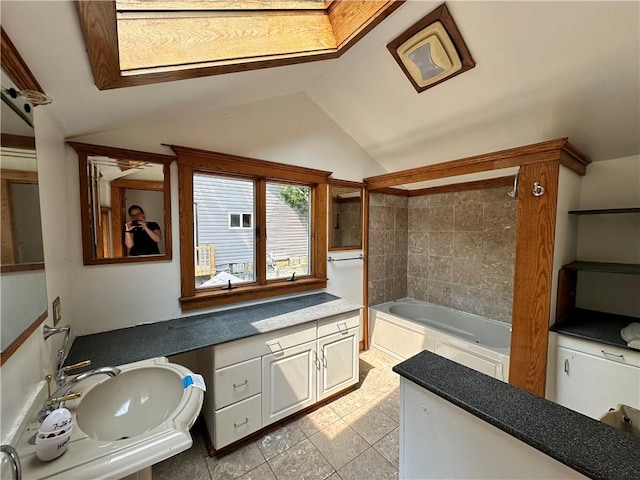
84 151
336 184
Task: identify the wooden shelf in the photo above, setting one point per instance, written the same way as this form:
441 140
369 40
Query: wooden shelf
605 211
604 267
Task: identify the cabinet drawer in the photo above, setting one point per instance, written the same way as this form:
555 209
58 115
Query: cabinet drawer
237 421
601 350
338 324
263 344
237 382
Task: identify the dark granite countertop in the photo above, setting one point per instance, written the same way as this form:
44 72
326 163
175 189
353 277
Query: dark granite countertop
591 447
596 326
181 335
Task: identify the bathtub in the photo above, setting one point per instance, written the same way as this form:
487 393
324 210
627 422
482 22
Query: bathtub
405 327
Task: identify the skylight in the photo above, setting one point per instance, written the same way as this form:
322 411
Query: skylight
133 42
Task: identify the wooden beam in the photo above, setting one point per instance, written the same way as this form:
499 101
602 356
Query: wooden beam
138 184
13 346
399 192
221 162
460 187
512 157
571 158
351 20
15 67
532 279
99 29
120 153
19 176
9 140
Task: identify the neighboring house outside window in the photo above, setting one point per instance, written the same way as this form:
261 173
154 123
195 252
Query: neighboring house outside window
240 220
264 221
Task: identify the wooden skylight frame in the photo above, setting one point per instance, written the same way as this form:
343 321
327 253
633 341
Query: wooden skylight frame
135 42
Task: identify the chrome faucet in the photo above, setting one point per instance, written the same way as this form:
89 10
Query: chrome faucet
47 331
15 461
64 392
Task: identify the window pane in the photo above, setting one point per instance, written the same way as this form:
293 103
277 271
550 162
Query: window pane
222 252
288 230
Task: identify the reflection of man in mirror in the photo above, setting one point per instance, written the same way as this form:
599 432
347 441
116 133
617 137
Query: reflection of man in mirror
141 237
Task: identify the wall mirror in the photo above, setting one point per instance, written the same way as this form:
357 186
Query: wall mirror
125 204
23 286
345 213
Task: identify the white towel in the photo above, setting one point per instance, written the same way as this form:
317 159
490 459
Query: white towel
631 335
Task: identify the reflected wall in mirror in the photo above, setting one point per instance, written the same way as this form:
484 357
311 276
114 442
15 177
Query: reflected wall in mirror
22 280
125 204
345 212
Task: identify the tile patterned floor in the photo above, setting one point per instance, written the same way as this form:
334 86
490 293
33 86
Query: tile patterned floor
355 437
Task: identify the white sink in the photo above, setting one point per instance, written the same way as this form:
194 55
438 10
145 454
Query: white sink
130 404
123 424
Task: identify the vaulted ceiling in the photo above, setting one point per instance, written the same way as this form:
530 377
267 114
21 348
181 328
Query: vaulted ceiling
543 70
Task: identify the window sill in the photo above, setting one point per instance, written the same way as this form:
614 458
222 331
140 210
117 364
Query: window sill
214 298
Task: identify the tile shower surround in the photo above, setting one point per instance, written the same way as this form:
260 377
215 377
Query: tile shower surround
451 249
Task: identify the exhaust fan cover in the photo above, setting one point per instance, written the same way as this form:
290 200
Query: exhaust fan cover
432 50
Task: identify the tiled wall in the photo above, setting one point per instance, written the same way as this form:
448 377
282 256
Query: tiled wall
346 224
388 239
460 250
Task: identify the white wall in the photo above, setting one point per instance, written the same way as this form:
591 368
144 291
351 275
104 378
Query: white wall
564 252
290 129
566 228
610 238
22 374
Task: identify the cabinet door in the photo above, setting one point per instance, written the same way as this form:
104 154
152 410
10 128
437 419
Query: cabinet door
337 362
592 385
288 381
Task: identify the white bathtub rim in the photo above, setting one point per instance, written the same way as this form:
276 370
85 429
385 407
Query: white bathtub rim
384 307
383 310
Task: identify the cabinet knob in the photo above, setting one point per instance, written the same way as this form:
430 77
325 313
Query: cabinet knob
566 365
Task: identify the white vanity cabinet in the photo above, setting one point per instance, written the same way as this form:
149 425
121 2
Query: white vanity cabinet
592 377
337 355
256 381
289 378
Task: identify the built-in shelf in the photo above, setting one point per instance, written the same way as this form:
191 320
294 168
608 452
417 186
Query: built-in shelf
604 267
605 211
593 325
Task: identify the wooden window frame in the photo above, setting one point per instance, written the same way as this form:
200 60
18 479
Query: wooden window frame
192 161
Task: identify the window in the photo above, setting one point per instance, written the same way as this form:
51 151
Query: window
259 228
240 220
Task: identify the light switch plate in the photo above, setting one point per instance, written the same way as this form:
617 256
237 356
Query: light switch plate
57 314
